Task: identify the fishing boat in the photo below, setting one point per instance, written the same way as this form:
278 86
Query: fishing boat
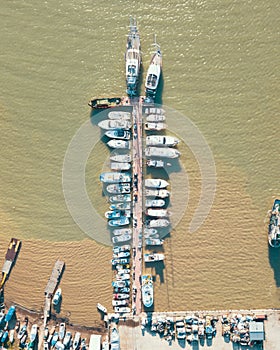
119 188
122 221
119 302
274 225
154 242
153 257
100 103
119 144
154 203
33 333
132 59
118 134
109 124
121 158
121 309
155 126
122 238
161 152
120 284
159 213
119 115
120 206
147 290
120 198
154 110
155 118
115 177
76 341
101 308
57 297
156 183
61 332
156 193
115 214
157 163
158 223
161 140
153 73
120 166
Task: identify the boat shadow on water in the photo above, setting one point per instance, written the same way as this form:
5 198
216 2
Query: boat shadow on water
158 97
57 308
158 269
274 260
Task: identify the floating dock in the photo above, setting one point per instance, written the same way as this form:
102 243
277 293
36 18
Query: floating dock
10 258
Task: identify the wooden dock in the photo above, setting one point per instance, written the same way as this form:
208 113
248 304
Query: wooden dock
10 258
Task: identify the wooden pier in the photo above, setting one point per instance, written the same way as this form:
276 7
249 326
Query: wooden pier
10 258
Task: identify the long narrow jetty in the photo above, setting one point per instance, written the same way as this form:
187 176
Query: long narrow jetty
10 258
137 205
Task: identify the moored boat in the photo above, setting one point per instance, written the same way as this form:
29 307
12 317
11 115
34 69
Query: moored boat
67 339
33 332
121 238
120 284
159 213
115 177
153 73
118 188
121 261
147 290
121 296
154 203
100 103
122 309
119 115
118 134
157 163
163 152
153 257
154 110
156 183
122 221
57 296
274 225
120 198
62 329
123 231
119 302
154 242
125 254
120 166
155 118
54 338
119 144
120 206
115 214
109 124
121 158
158 223
76 342
155 126
149 192
101 308
150 231
151 235
161 140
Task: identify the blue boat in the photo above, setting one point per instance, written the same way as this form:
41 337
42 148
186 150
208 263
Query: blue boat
4 337
10 313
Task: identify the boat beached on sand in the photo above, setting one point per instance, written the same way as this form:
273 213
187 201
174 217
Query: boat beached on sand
274 225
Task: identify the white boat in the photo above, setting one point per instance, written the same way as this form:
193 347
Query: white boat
76 341
162 152
118 188
154 203
121 270
120 206
122 290
57 297
123 248
114 336
123 231
156 193
156 163
155 118
122 277
67 339
122 255
154 110
122 221
274 225
121 158
119 302
121 309
120 166
155 126
159 213
118 134
61 332
153 257
153 73
132 59
115 214
115 177
156 183
120 198
119 115
33 333
119 144
147 290
161 140
150 231
151 235
120 261
154 242
158 223
108 124
101 308
45 345
122 238
120 284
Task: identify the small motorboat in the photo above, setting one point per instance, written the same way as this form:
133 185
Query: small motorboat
156 183
120 206
121 296
120 144
76 342
121 158
121 309
159 213
119 302
153 73
155 118
161 141
122 238
157 193
109 124
122 221
118 134
155 126
123 248
115 214
57 297
158 223
153 257
61 332
123 231
119 188
153 163
154 203
120 166
120 284
120 198
100 103
119 115
162 152
115 177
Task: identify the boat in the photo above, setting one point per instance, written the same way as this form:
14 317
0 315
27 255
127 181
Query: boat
153 73
57 297
120 166
122 254
120 198
154 203
121 296
153 257
114 336
100 103
121 158
120 284
10 314
119 144
124 248
118 188
119 302
115 177
22 331
162 152
122 221
156 193
154 242
115 214
158 223
83 344
54 338
76 341
4 337
119 115
121 309
122 238
180 330
121 289
155 126
147 290
46 333
150 231
274 225
122 277
61 332
118 134
67 339
22 343
132 59
157 163
122 268
155 118
121 261
159 213
109 124
45 345
123 231
120 206
105 344
151 235
156 183
161 140
33 333
101 308
154 110
59 345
